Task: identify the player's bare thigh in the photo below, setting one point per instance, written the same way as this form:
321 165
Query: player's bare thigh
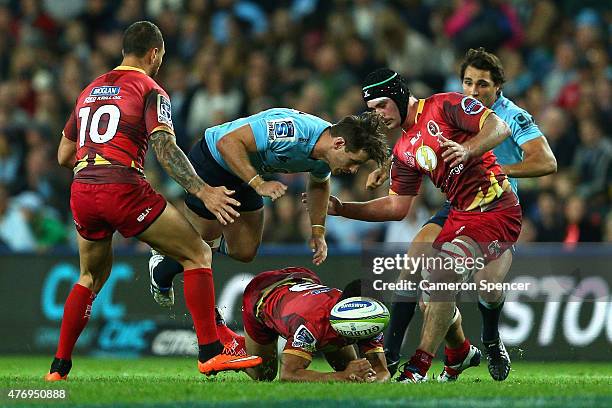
242 237
494 271
96 261
173 235
267 370
421 245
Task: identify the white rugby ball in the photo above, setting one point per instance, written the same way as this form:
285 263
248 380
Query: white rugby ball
359 317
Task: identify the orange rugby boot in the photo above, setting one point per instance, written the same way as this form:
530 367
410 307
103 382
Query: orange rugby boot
233 357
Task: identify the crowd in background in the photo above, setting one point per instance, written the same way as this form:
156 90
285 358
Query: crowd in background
230 58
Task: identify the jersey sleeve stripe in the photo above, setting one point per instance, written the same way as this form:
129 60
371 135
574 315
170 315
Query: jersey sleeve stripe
375 350
484 117
164 128
298 353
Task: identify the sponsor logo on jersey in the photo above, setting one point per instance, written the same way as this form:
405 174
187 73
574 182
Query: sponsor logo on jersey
433 128
164 111
144 214
304 339
524 121
426 157
282 130
410 159
415 138
494 248
471 106
105 91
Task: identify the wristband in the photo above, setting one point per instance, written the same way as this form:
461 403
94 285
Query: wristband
318 226
253 179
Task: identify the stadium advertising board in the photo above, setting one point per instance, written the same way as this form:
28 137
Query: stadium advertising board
565 314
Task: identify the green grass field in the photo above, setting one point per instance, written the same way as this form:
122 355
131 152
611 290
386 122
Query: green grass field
175 382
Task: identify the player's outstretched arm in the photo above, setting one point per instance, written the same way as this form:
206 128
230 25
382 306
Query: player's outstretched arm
390 208
538 160
235 148
177 165
317 209
295 368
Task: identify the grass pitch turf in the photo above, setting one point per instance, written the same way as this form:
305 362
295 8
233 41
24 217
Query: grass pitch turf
175 382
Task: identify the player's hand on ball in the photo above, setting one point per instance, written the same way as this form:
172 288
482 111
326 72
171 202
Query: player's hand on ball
454 152
218 201
319 247
359 370
376 179
272 189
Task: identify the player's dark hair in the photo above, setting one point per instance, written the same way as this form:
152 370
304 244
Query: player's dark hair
360 288
387 83
486 61
140 37
365 131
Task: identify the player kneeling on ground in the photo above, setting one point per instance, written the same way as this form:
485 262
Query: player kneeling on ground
292 303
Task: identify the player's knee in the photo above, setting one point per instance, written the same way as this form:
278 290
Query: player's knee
461 256
244 253
201 254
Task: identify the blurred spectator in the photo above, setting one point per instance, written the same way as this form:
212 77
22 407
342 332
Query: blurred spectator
592 163
15 231
230 58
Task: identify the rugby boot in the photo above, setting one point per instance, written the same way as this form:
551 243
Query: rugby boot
451 372
162 296
498 359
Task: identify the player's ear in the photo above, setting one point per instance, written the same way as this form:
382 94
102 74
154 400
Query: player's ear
339 142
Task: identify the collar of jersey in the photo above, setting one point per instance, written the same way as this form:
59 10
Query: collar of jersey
498 101
419 110
129 68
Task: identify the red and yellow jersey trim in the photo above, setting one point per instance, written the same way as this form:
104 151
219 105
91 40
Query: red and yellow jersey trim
375 350
420 107
494 191
129 68
298 353
484 117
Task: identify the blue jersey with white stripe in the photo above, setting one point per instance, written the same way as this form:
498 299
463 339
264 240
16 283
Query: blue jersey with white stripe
284 138
523 129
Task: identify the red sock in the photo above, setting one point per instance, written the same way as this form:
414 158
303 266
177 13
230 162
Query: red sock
226 335
456 355
422 361
199 291
77 310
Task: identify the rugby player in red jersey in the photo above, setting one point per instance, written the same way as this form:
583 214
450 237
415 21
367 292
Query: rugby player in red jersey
105 141
292 303
447 137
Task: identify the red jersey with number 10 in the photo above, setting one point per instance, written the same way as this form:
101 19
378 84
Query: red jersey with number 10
479 184
111 124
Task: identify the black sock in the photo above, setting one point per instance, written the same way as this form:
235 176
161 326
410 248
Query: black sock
490 320
208 351
165 271
401 314
61 366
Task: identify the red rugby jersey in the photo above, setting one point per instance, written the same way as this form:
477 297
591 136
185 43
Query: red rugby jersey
299 310
479 184
111 124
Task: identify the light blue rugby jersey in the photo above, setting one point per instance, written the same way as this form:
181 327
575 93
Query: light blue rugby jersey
523 130
284 137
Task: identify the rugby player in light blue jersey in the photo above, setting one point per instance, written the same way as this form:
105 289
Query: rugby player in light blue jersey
525 153
243 153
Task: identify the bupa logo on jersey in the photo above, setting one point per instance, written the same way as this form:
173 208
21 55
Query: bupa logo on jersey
282 130
471 106
105 91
